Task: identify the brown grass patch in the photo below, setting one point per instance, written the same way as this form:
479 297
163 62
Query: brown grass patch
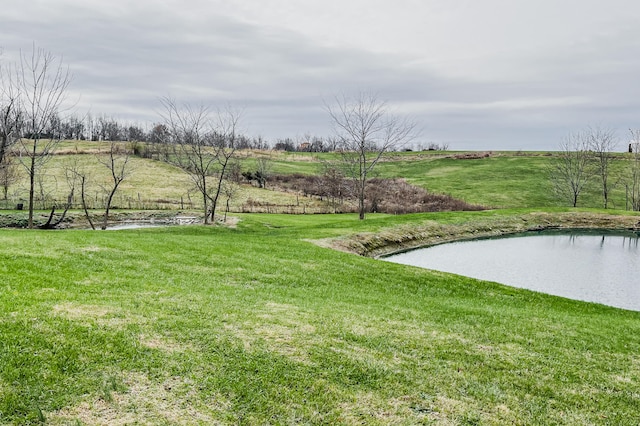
367 408
281 328
163 344
144 403
101 315
472 155
91 249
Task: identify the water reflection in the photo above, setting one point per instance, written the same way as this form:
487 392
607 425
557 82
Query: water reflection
600 267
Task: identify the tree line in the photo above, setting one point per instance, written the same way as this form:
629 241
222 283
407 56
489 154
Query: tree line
588 159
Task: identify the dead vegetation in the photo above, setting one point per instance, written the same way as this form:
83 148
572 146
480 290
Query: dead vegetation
135 399
472 155
393 196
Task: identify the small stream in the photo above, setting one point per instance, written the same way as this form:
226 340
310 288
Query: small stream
600 267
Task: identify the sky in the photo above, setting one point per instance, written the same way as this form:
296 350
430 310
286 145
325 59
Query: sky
472 74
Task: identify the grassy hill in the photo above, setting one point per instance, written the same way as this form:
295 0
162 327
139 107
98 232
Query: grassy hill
261 323
499 180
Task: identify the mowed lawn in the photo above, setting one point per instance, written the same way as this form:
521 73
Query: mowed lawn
258 325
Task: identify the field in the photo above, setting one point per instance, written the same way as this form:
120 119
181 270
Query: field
501 180
260 321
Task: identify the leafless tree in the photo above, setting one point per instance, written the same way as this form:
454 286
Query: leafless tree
230 189
8 175
333 143
188 131
333 185
571 170
602 143
42 81
366 129
263 170
226 133
117 162
633 181
204 145
109 129
78 177
51 224
10 109
92 128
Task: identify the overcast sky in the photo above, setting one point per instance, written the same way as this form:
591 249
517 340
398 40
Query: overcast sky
474 74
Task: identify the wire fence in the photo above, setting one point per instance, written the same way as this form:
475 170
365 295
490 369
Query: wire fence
137 203
99 203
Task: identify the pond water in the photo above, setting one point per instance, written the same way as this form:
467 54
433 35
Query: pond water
139 225
602 267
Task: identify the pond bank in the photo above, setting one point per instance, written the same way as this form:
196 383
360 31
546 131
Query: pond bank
77 219
431 232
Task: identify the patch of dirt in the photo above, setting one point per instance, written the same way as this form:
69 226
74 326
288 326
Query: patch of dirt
231 222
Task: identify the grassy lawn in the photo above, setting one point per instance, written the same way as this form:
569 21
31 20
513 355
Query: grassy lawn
257 325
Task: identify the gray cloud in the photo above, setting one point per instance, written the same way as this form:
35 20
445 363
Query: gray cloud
125 56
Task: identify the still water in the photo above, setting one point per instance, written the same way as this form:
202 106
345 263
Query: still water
603 268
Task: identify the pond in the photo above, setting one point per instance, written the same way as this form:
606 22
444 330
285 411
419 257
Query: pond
136 225
595 267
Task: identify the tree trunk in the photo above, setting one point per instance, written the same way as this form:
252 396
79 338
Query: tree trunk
84 203
32 178
361 193
107 208
205 200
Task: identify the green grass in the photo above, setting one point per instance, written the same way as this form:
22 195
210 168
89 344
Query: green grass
496 181
256 325
505 180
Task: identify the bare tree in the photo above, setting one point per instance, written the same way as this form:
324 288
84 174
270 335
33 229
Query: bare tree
230 189
10 113
226 134
117 161
333 185
204 146
601 144
78 176
366 130
8 175
42 81
263 170
188 131
633 181
572 170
